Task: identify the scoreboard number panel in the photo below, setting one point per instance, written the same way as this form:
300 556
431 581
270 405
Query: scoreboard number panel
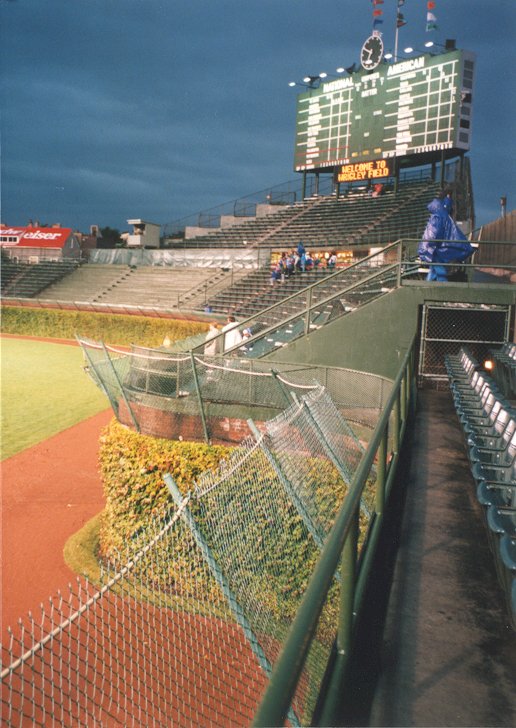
414 106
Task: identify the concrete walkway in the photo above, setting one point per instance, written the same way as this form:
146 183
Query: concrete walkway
449 655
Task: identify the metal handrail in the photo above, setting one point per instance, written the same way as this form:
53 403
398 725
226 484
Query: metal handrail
310 306
341 544
306 292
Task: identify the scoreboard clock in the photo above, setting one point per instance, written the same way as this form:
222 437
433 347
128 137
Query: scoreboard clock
414 106
372 52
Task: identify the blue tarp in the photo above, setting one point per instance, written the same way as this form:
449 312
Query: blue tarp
443 241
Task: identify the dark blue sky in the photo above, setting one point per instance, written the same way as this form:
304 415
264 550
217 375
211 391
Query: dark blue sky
115 109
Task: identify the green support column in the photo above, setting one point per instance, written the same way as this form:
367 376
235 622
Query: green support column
345 626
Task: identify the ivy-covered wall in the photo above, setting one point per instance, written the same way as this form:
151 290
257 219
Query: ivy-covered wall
111 328
132 467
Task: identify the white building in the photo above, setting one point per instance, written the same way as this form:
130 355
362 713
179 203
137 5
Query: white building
144 235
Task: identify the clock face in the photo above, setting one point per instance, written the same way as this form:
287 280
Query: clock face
372 52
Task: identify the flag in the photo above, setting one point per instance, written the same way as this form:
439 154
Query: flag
431 20
400 3
400 21
377 13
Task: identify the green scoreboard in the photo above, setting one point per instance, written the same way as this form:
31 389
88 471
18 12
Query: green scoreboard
415 106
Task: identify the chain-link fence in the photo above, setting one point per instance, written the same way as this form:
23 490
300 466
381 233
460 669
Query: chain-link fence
447 327
179 394
189 621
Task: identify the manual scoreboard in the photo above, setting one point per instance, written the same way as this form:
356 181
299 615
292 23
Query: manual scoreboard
414 106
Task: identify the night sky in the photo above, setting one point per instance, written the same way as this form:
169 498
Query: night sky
116 109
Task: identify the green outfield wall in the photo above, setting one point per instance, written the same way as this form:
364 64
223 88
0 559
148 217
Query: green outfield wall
375 337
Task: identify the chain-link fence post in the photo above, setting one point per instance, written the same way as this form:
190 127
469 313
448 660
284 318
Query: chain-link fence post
122 390
199 398
284 390
221 581
288 487
345 625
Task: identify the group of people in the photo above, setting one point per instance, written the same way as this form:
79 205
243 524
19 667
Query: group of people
232 337
299 261
442 242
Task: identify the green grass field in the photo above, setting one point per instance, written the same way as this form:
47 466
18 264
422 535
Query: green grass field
44 390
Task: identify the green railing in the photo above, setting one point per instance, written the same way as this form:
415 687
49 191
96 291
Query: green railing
362 282
340 555
334 295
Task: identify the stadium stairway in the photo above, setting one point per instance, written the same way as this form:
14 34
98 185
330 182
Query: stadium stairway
447 655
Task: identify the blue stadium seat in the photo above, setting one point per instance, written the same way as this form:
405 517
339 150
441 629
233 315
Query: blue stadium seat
503 422
501 495
502 453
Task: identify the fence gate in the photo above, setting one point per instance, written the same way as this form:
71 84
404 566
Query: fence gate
445 327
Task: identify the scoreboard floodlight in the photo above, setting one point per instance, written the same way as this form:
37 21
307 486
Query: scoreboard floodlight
415 106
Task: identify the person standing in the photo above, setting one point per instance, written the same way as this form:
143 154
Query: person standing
211 347
232 335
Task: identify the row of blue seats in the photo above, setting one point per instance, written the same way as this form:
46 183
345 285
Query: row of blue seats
489 424
504 369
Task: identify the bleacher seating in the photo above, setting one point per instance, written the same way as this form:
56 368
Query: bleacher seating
254 292
504 371
27 280
146 286
331 222
489 424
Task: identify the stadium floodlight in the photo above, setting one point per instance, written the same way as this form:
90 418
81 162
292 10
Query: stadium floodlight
427 49
349 70
309 81
409 50
388 56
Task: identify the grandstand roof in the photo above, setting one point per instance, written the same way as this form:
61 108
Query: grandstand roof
34 237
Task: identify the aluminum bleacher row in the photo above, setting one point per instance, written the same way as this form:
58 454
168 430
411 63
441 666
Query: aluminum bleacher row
254 292
142 286
28 279
330 221
488 420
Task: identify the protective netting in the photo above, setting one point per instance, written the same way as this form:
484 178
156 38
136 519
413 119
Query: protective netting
191 618
165 393
143 650
313 443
